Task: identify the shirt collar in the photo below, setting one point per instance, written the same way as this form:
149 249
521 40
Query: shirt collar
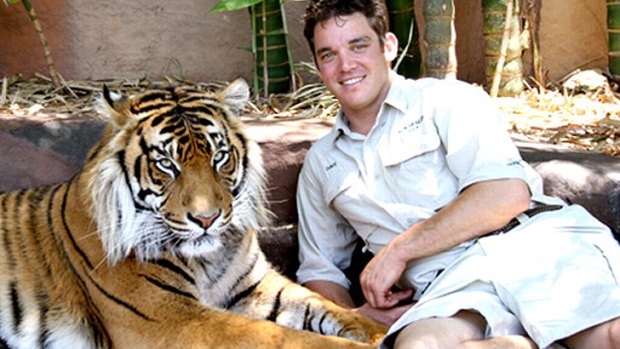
395 98
397 94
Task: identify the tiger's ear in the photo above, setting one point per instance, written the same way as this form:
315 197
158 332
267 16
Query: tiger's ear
115 106
236 95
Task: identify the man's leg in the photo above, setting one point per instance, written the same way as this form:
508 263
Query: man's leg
603 336
464 330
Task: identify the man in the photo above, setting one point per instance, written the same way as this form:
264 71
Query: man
425 173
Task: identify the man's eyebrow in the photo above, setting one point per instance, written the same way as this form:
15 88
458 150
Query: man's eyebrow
323 50
361 39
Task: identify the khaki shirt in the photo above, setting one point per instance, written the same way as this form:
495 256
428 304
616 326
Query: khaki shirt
432 139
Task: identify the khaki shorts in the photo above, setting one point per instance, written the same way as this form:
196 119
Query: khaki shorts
551 277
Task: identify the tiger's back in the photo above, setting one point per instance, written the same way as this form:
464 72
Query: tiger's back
153 244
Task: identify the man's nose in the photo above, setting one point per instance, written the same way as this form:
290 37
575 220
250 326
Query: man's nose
347 63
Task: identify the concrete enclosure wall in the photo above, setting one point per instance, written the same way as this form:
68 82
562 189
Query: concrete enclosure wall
93 39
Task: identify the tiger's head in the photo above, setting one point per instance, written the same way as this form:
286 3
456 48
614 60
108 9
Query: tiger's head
175 172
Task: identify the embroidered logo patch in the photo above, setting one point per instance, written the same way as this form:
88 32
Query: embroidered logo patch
330 166
413 125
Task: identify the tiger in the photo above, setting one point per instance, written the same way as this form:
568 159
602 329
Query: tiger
153 243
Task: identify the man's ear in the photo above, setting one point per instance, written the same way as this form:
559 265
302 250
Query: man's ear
390 46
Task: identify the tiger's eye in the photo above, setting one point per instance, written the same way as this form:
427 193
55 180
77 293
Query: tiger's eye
218 156
167 166
165 163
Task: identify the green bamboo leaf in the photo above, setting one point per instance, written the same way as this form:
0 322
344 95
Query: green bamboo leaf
229 5
12 1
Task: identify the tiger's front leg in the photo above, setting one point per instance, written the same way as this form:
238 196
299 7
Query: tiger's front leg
278 299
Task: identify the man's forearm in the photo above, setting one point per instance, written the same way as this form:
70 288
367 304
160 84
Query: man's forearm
332 291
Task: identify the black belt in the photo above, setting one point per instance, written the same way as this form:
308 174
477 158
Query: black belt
529 213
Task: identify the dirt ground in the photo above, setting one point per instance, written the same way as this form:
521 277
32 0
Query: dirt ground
587 119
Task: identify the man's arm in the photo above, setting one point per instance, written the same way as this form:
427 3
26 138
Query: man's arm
340 295
479 209
332 291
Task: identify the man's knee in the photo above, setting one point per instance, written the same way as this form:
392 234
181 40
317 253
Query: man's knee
405 341
614 333
605 335
436 333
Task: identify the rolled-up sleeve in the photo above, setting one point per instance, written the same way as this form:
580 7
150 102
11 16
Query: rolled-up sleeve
326 240
478 146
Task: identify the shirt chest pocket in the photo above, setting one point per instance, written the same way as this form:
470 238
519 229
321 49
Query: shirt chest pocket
408 143
415 169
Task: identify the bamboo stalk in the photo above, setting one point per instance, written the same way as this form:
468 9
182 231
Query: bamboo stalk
272 54
498 32
402 23
439 39
532 13
499 67
613 29
46 50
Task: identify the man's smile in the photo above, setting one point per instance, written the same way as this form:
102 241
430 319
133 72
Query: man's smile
353 81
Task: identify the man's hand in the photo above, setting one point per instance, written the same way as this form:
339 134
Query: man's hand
383 316
478 209
380 274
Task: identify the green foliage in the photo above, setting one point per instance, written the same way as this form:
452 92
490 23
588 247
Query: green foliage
273 64
231 5
402 23
613 25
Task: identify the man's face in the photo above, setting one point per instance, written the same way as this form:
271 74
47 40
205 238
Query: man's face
352 62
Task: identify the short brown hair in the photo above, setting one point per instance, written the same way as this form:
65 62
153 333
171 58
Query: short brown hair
318 11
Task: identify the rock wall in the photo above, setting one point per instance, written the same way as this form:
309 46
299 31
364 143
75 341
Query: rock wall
154 38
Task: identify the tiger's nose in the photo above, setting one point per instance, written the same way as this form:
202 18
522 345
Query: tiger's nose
204 219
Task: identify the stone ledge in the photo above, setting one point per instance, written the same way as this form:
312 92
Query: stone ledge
41 151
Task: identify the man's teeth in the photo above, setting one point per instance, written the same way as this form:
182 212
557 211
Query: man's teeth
352 81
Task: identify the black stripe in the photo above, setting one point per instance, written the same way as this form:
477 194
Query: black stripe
245 274
171 128
321 323
63 212
94 152
16 307
121 161
164 263
241 295
97 328
118 301
201 98
167 287
42 303
5 233
158 120
153 95
244 164
4 344
276 306
35 204
307 319
197 117
342 331
54 232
